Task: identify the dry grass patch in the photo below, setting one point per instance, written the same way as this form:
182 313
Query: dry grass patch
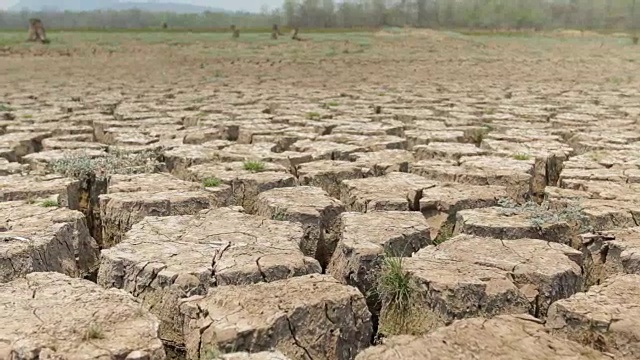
402 311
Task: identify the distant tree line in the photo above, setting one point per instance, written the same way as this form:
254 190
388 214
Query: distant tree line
475 14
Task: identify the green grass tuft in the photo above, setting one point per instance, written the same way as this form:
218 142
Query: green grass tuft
445 233
521 156
313 115
402 311
49 203
254 166
395 285
211 182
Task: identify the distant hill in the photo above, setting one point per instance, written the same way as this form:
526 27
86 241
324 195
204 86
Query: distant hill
91 5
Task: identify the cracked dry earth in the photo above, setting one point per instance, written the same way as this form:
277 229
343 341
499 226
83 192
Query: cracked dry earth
502 170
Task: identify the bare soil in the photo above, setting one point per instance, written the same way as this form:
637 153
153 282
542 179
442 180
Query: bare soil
249 194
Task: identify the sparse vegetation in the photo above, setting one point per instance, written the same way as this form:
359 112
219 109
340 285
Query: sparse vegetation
4 107
211 353
94 332
82 166
253 166
211 182
280 214
396 286
402 310
478 135
313 115
445 233
49 203
539 215
521 156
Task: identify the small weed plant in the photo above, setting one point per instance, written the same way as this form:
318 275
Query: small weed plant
279 215
211 182
49 203
94 331
521 156
313 116
445 233
254 166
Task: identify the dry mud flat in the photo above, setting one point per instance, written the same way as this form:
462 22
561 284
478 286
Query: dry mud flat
276 213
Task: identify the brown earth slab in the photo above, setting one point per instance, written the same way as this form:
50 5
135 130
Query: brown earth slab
368 143
19 144
199 136
473 276
149 182
12 168
245 184
326 150
394 191
163 259
312 208
424 137
602 215
510 224
359 127
180 158
37 238
265 152
449 151
606 158
119 211
364 240
504 337
27 187
226 172
385 161
515 176
605 190
607 317
609 175
48 315
611 253
306 317
328 174
549 155
263 355
440 204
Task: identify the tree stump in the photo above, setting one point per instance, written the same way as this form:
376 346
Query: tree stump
36 31
235 33
295 35
275 32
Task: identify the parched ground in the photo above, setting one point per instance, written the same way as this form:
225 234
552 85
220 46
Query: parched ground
245 199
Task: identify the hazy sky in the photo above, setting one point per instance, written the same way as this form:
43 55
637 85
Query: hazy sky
226 4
